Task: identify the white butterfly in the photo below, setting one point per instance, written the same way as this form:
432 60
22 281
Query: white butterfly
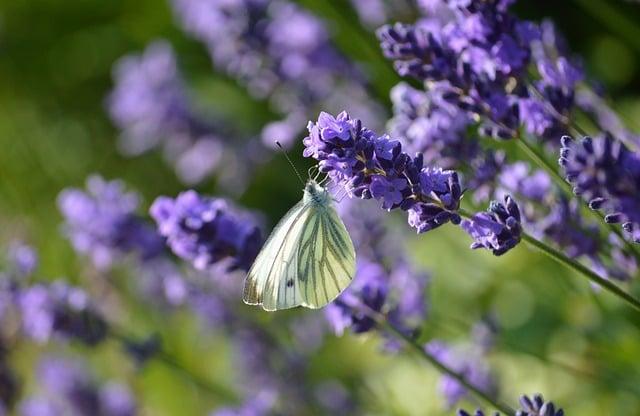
307 261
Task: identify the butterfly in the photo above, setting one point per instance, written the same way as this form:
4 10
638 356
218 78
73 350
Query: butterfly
307 261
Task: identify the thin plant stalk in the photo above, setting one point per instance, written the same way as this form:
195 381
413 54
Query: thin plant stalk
575 265
384 323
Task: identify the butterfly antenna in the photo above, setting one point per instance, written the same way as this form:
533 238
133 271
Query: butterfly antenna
291 163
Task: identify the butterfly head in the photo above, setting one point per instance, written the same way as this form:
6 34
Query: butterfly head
315 193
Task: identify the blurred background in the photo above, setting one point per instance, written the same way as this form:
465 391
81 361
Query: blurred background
57 63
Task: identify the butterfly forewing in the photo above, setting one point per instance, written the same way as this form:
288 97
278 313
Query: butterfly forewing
267 280
308 260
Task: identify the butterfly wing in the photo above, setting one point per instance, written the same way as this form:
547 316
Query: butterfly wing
326 259
271 281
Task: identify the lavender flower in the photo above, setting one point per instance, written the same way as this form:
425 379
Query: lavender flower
468 362
151 105
376 167
206 230
498 229
61 310
280 52
101 222
535 406
67 388
607 175
23 259
483 54
425 122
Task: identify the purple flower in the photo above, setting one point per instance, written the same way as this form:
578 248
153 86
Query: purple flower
151 106
466 362
61 310
22 258
607 175
388 189
334 128
498 229
280 52
400 295
206 230
366 295
371 166
425 122
484 53
67 388
444 191
101 222
518 178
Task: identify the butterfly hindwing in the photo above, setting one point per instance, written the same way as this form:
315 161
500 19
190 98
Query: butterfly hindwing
326 258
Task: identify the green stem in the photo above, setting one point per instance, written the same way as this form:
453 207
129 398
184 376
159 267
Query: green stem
444 369
382 321
575 265
582 269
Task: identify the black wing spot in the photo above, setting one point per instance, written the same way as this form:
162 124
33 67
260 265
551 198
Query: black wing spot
290 283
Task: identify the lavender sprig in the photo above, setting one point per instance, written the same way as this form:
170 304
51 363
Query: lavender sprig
606 174
371 166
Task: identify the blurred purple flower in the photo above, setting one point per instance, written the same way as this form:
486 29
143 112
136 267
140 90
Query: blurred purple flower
469 363
101 222
206 230
151 106
281 52
67 388
61 310
23 258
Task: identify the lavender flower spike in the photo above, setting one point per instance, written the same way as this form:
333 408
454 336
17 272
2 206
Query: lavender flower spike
606 174
207 230
371 166
498 229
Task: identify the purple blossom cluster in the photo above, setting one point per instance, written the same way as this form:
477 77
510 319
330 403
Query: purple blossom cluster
151 105
498 229
280 52
205 230
607 175
371 166
59 310
477 54
102 223
470 362
534 406
67 388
